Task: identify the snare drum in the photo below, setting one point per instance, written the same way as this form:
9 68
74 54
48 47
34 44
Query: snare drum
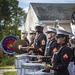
39 73
23 58
19 59
27 68
70 68
32 57
42 73
73 70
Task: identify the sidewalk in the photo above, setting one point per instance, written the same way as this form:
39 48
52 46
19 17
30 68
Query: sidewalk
6 70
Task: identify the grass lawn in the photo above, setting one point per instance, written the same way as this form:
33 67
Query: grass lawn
10 73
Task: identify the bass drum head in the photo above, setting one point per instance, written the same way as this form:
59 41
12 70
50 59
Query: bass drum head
7 44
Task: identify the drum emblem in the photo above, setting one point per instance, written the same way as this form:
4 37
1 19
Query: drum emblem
7 44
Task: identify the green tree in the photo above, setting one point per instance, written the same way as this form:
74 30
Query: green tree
11 17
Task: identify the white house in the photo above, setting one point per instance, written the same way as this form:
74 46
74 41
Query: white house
48 13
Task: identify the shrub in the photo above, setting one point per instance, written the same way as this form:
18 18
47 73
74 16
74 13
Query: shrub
7 60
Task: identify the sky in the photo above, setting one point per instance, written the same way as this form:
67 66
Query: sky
25 3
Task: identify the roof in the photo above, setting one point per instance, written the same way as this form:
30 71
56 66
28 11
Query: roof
53 11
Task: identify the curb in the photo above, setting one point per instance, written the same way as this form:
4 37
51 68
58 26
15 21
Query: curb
7 67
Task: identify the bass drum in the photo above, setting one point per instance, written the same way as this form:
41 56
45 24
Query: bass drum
7 44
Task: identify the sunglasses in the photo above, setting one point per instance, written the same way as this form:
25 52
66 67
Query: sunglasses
59 35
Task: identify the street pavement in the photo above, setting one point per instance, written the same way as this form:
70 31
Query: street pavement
6 70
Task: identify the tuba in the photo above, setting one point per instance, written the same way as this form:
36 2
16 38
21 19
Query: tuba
72 40
73 18
56 25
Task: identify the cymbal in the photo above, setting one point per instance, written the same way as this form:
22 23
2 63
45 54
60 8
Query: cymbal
18 43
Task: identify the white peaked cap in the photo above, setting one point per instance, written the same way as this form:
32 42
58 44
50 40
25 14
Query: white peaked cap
64 32
24 32
32 32
40 24
73 37
50 29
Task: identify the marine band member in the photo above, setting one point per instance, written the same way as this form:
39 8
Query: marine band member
61 58
40 40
